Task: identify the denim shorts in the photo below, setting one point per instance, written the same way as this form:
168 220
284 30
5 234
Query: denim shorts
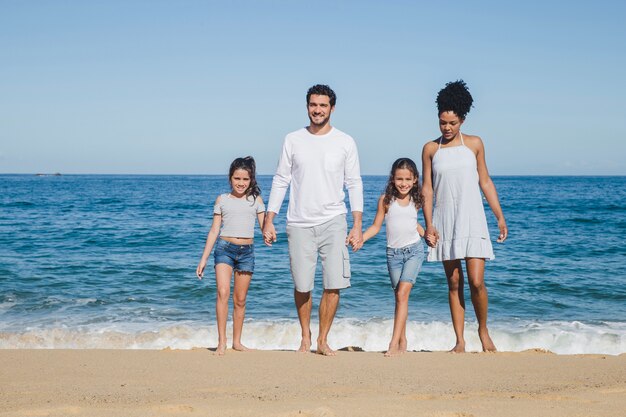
404 264
239 257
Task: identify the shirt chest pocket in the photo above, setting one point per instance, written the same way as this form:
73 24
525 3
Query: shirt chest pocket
334 161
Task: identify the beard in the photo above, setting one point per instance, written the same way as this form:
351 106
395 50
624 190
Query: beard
319 124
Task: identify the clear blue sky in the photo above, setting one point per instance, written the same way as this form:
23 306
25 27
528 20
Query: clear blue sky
183 87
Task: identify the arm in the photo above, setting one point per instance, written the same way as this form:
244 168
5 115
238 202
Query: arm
355 237
427 192
420 230
489 189
378 221
210 241
281 180
280 183
261 214
354 184
269 231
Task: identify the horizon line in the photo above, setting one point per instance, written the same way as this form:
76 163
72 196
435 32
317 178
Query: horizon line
60 174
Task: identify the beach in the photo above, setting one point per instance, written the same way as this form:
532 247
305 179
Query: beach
101 313
284 383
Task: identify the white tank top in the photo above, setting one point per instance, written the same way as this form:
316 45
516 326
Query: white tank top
401 225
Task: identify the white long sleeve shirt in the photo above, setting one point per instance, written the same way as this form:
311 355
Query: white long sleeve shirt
317 167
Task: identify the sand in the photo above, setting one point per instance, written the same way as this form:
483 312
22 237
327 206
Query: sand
284 383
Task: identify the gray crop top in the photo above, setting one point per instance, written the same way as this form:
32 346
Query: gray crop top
238 215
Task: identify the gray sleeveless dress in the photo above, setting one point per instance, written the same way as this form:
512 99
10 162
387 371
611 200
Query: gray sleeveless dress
458 214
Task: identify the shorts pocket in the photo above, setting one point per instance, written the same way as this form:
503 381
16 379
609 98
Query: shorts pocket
346 262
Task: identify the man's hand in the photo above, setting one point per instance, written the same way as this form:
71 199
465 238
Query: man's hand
269 231
355 239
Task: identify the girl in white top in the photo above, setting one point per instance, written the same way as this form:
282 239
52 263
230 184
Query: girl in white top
455 172
235 214
398 207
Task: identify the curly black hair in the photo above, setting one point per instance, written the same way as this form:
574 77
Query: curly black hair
391 192
247 163
321 90
455 97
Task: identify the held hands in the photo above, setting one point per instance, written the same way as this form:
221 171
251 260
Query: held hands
355 239
269 233
431 236
504 231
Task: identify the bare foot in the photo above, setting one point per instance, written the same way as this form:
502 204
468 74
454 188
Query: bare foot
241 348
325 350
221 349
393 352
458 348
305 346
396 349
488 345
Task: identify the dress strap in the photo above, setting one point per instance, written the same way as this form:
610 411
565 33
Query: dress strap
440 139
462 143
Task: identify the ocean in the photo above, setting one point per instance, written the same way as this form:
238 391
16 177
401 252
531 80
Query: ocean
108 261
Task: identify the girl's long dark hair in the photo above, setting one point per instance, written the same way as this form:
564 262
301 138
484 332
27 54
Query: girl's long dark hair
391 193
248 165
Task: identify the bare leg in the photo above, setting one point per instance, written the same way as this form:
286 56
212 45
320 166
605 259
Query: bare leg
476 278
242 283
454 274
304 304
399 322
403 342
223 273
328 308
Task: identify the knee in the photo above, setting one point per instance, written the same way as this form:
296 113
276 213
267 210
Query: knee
302 296
477 285
239 302
223 294
402 294
331 294
454 285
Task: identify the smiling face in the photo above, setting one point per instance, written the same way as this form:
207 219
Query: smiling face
319 109
404 181
240 182
449 124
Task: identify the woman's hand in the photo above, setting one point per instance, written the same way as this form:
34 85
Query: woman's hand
431 236
504 231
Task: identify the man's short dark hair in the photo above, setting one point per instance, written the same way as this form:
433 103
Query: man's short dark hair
322 90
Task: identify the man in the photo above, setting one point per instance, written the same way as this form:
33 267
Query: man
317 161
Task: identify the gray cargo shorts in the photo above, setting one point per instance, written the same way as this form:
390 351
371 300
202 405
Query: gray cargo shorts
329 241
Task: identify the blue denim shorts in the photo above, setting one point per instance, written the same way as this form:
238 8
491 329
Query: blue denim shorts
239 257
404 264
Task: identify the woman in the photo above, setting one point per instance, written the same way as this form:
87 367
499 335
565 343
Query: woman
454 172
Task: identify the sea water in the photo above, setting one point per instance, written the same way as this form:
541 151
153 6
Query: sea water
90 261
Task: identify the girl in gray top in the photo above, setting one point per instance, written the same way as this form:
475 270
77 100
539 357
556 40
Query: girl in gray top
234 216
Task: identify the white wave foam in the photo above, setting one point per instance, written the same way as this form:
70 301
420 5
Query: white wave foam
7 305
9 300
85 301
370 335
